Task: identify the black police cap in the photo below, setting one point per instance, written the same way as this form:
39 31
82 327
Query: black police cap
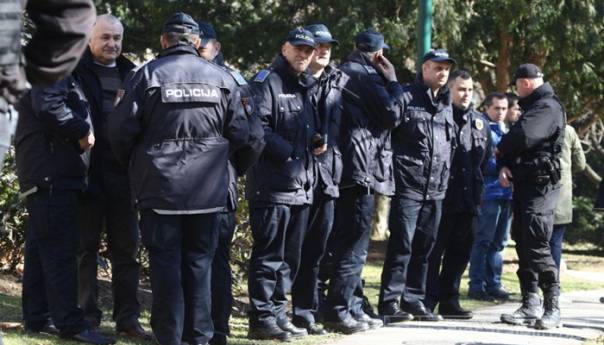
528 71
370 41
206 32
180 22
321 34
301 37
438 55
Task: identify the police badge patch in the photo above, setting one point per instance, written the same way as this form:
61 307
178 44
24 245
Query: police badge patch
478 124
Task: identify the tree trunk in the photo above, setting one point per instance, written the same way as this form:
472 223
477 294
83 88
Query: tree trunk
503 60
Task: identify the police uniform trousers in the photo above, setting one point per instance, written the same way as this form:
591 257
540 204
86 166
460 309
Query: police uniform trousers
50 285
278 232
222 279
111 212
354 213
449 258
181 250
305 295
413 228
532 226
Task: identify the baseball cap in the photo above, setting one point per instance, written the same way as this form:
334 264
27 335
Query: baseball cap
370 41
180 22
321 34
206 33
528 71
301 37
438 55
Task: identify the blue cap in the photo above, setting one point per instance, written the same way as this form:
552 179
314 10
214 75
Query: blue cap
321 34
370 41
206 32
301 37
438 55
180 22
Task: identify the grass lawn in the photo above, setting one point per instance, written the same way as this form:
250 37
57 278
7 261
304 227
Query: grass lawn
583 258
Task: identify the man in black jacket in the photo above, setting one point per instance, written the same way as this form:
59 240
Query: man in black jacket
371 108
530 155
239 162
327 102
54 135
422 145
280 187
106 203
179 119
462 201
62 30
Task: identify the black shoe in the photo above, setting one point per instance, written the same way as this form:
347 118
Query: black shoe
452 310
499 293
527 314
346 326
92 337
371 322
135 332
268 332
551 313
392 313
48 328
420 312
311 327
289 327
480 296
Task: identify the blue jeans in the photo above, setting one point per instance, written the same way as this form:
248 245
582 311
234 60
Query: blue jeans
490 237
555 243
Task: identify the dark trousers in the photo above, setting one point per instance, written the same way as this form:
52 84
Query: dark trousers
278 232
413 228
305 298
354 212
532 227
449 258
555 243
181 249
222 280
114 214
50 285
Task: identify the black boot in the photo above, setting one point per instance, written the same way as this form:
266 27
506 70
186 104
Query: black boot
551 313
268 330
528 313
452 310
392 313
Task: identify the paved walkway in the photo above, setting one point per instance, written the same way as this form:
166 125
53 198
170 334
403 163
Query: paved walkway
582 314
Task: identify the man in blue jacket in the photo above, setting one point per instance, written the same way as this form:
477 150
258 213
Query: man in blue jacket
494 222
178 121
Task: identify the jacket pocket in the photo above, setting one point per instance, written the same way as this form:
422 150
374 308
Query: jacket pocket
384 166
286 175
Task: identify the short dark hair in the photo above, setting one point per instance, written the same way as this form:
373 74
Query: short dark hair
512 97
459 73
488 101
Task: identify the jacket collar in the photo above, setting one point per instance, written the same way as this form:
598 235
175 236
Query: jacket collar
123 64
443 96
542 91
179 49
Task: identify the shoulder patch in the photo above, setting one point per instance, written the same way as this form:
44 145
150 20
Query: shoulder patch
262 75
370 69
238 77
479 124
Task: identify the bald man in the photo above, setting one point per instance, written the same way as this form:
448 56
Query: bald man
106 204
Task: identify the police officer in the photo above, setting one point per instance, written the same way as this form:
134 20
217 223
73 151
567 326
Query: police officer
222 280
422 144
462 201
280 187
175 126
371 109
530 155
106 204
327 102
53 137
63 28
